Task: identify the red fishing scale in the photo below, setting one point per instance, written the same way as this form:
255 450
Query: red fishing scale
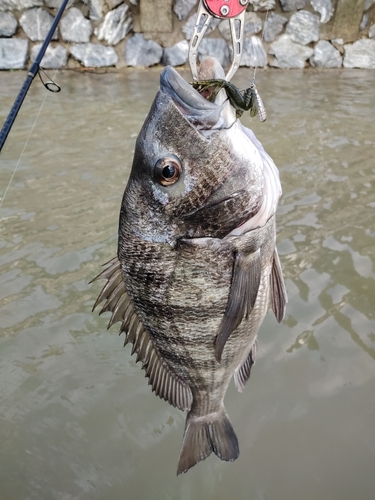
225 9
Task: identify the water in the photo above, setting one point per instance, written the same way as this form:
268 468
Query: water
77 418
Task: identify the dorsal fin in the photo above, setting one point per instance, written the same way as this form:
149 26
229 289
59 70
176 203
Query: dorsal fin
278 296
242 295
165 384
242 372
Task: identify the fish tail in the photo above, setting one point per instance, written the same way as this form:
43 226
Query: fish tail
207 434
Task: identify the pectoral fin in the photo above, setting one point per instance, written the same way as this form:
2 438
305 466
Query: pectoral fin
242 295
278 296
165 384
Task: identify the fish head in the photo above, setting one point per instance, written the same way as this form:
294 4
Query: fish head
195 172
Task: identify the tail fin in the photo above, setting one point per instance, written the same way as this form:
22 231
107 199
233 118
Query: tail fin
204 435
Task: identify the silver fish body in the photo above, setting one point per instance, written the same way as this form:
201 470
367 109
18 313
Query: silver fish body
197 264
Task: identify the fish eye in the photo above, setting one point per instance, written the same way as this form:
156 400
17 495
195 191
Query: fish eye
167 170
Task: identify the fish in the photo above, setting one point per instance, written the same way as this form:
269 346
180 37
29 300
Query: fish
197 265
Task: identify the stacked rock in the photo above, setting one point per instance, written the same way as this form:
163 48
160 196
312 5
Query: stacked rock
105 33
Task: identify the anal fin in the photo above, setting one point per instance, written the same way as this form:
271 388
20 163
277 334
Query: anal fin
165 384
242 295
242 372
278 295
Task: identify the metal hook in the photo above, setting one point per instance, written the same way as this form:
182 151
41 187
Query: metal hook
51 85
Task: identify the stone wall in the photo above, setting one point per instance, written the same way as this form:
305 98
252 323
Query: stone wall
117 33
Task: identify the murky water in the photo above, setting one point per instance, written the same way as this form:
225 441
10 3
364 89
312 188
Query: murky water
77 418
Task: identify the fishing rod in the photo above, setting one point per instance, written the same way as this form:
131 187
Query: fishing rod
34 69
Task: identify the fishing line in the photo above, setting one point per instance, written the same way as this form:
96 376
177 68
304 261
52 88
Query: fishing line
23 150
265 20
52 87
27 140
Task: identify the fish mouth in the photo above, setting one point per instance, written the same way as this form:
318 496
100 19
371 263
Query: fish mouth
202 114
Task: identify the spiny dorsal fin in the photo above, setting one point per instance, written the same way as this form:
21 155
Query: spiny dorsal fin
242 295
278 296
242 373
163 382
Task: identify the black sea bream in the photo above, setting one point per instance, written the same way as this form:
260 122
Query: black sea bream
197 265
